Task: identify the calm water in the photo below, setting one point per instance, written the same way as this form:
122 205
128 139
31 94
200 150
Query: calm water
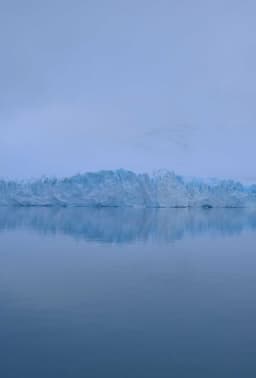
127 293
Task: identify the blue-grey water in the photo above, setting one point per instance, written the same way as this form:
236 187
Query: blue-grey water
127 293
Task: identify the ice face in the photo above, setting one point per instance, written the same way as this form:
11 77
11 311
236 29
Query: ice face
123 188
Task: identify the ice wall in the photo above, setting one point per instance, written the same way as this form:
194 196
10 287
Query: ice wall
123 188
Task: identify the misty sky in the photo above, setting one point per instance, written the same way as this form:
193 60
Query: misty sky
138 84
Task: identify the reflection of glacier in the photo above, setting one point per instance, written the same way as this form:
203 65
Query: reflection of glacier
123 225
124 188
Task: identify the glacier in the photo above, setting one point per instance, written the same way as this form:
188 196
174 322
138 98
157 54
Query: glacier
123 188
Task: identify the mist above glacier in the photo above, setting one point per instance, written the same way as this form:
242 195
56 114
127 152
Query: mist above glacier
128 84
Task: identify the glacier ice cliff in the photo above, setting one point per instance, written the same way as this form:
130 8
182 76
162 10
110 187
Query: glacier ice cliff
123 188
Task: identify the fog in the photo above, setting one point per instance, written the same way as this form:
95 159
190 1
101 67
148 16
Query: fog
141 85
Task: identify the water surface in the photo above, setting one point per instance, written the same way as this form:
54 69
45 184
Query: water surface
127 293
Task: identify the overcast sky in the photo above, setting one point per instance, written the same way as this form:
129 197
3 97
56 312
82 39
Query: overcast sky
138 84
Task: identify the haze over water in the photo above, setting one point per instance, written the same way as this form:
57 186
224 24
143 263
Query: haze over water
141 85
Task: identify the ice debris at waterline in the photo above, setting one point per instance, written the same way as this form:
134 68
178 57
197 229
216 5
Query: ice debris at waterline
123 188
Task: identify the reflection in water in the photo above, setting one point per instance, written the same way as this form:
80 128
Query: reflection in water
123 225
157 309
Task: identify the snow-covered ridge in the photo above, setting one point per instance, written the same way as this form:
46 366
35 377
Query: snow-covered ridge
122 188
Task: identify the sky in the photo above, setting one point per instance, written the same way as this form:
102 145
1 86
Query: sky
139 84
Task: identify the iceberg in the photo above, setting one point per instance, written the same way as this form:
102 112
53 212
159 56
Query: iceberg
123 188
